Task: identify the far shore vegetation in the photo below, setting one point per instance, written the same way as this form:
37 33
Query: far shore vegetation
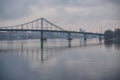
111 35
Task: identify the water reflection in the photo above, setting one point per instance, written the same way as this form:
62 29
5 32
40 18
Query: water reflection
108 44
111 44
37 53
25 60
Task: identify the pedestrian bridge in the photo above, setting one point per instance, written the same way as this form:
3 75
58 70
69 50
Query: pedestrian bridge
42 25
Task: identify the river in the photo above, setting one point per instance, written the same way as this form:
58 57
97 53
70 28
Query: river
91 60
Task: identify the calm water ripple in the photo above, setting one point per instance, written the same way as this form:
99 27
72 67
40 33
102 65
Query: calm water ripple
24 60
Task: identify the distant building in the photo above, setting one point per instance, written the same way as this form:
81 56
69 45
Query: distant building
81 30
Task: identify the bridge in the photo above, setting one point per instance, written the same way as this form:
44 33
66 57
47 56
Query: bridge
42 25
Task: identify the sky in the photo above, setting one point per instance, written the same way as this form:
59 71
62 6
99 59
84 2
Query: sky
90 15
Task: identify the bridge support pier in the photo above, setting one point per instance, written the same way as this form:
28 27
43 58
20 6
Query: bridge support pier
42 33
85 43
69 43
85 37
41 39
100 39
69 39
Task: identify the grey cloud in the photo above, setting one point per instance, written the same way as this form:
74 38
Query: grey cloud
77 18
84 3
12 9
113 1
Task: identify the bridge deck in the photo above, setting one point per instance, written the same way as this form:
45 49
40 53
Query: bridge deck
59 31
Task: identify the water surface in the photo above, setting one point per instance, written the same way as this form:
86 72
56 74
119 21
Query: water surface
25 60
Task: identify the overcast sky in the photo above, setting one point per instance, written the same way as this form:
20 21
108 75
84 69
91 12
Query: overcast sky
69 14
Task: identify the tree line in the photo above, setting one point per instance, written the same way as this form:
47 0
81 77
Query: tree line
112 35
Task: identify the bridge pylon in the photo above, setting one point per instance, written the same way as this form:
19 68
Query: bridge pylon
85 37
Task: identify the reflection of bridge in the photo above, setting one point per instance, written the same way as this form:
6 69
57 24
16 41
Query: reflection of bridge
42 25
38 54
